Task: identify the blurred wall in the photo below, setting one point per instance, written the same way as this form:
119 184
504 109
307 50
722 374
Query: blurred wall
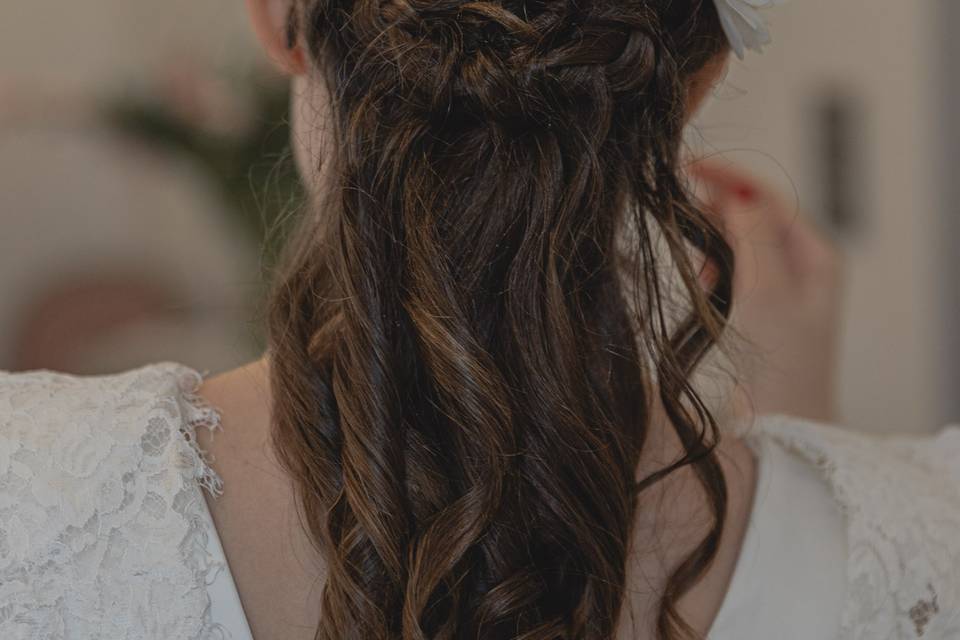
103 42
99 225
882 68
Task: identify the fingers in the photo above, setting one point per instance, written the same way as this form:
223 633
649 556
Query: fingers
750 216
723 176
725 195
745 207
715 193
761 211
759 225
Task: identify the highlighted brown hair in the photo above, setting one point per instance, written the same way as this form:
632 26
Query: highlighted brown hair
464 351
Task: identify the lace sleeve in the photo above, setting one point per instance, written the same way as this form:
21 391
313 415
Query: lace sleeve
901 500
101 534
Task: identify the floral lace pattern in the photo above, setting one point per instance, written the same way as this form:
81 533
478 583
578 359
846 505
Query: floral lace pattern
901 499
101 528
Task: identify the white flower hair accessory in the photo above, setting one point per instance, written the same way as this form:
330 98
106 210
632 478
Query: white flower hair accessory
743 24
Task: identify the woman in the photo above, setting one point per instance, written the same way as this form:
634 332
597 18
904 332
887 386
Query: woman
475 418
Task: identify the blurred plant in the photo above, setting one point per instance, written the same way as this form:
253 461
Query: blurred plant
236 127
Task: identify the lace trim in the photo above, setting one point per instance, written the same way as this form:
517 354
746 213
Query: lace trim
197 412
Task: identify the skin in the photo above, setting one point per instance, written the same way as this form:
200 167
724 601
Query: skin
279 575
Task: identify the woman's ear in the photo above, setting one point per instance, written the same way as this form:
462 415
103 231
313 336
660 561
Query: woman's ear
271 23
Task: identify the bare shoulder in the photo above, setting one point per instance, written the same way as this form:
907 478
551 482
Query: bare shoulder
242 396
277 573
240 450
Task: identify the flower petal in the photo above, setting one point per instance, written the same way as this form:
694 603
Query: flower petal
744 26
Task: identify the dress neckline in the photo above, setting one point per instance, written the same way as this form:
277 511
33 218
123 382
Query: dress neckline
740 581
790 577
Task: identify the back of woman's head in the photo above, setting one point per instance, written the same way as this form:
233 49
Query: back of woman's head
465 352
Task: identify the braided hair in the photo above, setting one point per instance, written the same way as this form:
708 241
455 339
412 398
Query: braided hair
464 352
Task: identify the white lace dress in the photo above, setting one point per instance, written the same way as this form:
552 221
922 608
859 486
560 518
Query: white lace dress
105 532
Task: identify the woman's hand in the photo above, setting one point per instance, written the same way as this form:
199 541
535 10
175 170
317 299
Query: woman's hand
787 294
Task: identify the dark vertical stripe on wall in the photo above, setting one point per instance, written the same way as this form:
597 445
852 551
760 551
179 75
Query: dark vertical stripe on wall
838 160
947 126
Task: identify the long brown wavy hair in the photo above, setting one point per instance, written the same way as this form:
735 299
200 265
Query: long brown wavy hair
464 351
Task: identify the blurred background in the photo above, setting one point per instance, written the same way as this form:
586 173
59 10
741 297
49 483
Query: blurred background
143 160
143 165
851 111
